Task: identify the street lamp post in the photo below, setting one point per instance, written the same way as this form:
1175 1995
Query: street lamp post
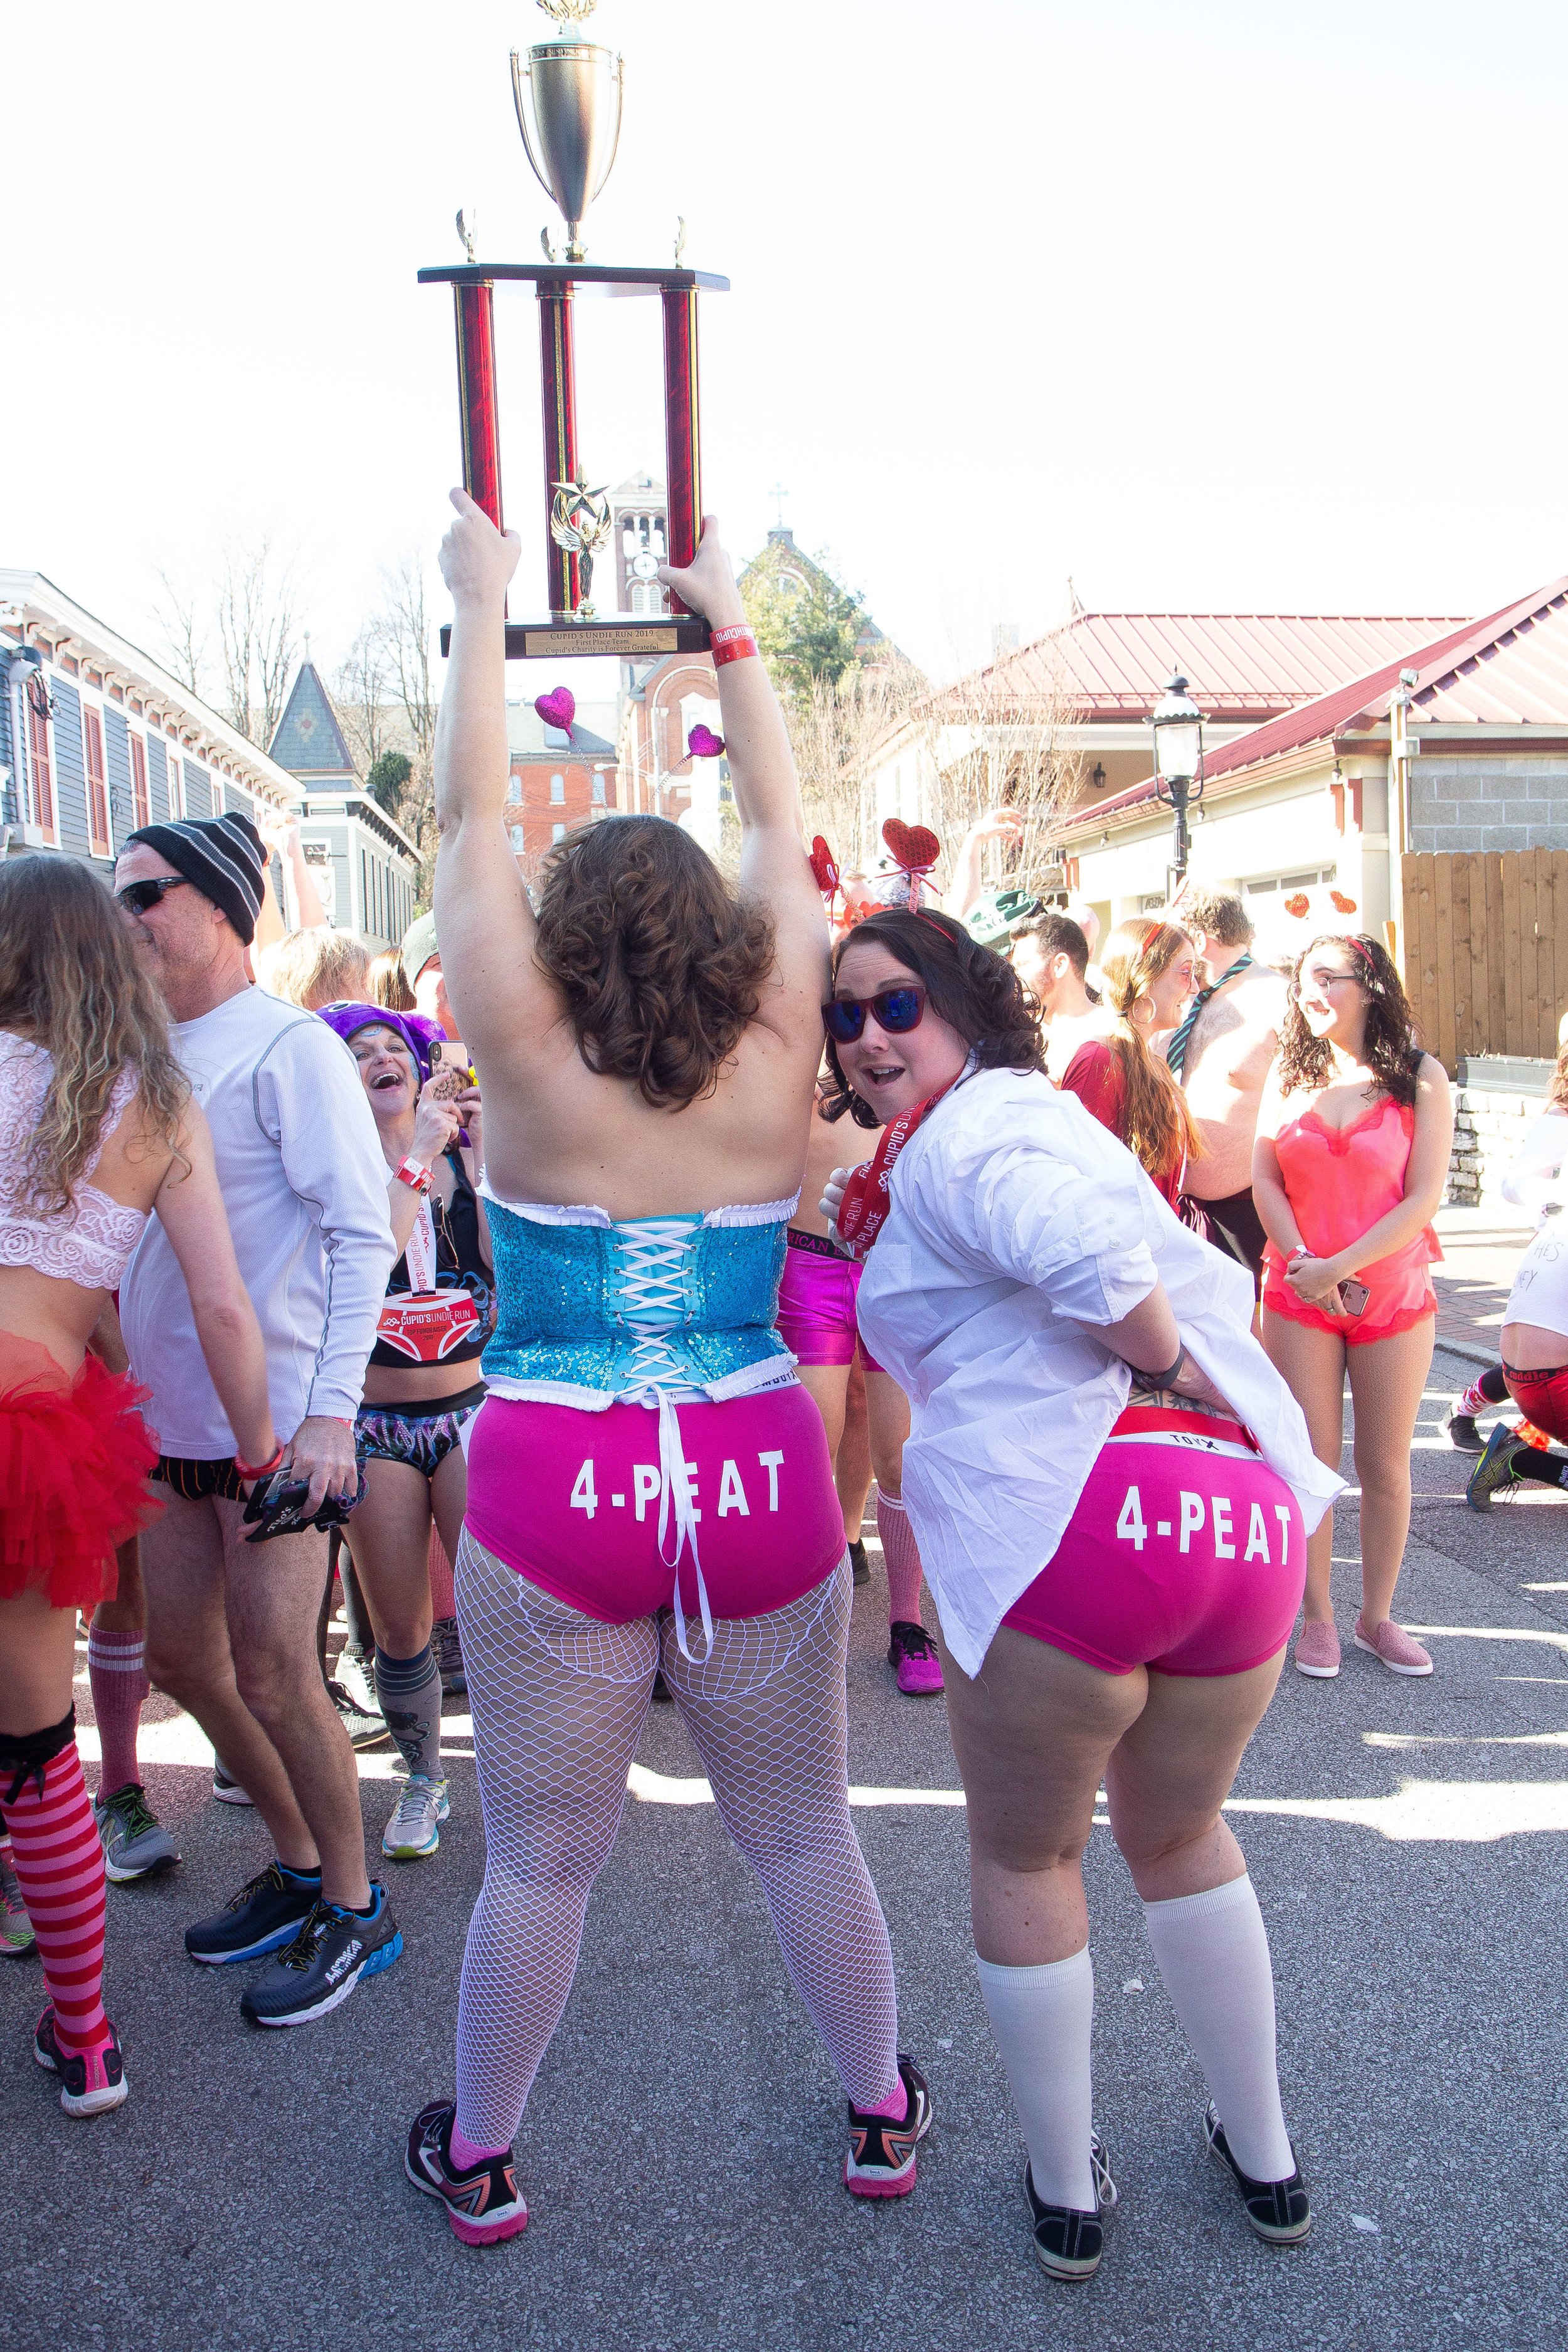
1178 726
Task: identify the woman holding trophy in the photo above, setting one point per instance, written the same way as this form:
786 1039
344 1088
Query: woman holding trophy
648 1484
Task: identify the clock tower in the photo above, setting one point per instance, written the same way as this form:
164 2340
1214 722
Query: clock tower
638 535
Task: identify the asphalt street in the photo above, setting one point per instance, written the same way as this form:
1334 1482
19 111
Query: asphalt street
681 2152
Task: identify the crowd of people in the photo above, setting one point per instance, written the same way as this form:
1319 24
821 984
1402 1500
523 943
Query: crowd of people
554 1292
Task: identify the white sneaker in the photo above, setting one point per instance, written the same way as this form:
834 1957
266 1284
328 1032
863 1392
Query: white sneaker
357 1676
415 1828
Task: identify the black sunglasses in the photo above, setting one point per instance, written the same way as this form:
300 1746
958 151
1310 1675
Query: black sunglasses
137 896
897 1010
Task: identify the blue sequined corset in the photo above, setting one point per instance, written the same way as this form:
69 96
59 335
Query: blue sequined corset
590 1311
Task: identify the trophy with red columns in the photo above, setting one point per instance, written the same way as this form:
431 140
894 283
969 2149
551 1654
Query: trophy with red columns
568 95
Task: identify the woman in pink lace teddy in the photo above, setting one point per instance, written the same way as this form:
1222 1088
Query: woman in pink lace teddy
97 1131
1349 1166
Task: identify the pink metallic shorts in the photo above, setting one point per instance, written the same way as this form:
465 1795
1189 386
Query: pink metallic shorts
816 1307
1186 1553
571 1500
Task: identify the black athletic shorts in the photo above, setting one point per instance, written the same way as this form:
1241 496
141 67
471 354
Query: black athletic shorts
201 1482
1235 1228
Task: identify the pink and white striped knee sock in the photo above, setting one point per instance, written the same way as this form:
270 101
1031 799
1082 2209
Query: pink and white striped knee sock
117 1672
902 1555
59 1863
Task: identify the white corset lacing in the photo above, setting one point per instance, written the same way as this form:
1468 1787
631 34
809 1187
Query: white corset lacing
650 1297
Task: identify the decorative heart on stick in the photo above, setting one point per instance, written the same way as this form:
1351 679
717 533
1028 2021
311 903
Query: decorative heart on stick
825 866
915 846
1345 906
558 707
1297 904
702 743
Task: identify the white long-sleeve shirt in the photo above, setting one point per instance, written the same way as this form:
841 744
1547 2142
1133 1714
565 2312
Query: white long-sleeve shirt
1015 1219
304 1185
1535 1177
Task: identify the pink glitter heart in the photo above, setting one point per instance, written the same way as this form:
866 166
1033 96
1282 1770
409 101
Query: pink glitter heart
702 743
558 707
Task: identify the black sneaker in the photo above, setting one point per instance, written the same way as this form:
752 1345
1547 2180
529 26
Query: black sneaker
859 1566
483 2204
269 1912
1494 1471
1461 1432
1067 2243
365 1729
881 2159
1277 2209
332 1950
448 1644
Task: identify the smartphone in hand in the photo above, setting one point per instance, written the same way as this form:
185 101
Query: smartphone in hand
1354 1296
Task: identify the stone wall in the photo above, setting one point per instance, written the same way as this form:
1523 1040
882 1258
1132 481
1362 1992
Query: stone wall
1490 1125
1458 803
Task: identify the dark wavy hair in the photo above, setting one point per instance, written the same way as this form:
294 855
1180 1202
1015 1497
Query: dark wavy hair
973 991
660 963
1391 1049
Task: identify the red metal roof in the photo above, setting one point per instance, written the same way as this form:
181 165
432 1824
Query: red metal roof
1510 668
1238 665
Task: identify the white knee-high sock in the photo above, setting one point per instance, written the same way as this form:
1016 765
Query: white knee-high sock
1043 2018
1212 1951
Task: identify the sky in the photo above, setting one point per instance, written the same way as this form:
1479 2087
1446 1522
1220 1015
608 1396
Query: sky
1227 307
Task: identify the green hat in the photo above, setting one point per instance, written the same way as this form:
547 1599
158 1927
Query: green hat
419 947
993 921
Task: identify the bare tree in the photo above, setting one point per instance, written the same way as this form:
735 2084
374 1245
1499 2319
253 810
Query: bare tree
403 636
175 612
360 696
259 594
835 730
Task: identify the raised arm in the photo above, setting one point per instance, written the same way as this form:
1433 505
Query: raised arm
481 908
773 863
963 883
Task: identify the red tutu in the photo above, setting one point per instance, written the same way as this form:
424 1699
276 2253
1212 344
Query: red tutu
74 1459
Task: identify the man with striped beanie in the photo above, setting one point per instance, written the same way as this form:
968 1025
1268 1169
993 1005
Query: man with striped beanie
222 856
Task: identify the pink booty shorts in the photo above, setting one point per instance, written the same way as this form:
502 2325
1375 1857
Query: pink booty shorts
571 1500
1185 1553
816 1305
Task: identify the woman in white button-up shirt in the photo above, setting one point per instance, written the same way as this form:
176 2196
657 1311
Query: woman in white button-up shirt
1116 1582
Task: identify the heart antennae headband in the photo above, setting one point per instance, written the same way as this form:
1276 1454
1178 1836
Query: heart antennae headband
915 850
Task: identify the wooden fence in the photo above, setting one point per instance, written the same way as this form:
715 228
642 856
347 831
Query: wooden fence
1486 951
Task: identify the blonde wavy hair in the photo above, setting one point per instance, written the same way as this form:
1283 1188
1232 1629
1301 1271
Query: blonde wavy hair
1160 1129
318 966
70 981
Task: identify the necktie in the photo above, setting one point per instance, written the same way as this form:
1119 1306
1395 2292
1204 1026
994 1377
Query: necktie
1176 1051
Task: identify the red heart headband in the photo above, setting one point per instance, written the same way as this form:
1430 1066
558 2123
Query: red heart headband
824 867
915 849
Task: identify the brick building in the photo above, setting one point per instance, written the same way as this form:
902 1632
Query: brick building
558 781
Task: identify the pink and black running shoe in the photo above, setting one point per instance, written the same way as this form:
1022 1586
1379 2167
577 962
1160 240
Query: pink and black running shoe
92 2080
881 2159
483 2204
913 1655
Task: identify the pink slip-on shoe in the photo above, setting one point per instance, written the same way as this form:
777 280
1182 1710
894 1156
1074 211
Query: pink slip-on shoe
1395 1646
1317 1651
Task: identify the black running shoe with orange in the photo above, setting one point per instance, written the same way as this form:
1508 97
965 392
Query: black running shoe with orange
881 2159
483 2204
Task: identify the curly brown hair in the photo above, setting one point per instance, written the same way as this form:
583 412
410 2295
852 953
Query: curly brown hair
1158 1128
1391 1048
661 964
973 991
71 981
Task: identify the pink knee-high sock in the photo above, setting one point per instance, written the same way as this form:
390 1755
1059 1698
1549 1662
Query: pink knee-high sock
117 1671
443 1601
902 1555
59 1862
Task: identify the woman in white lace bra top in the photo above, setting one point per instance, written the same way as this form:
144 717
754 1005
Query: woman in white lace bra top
97 1133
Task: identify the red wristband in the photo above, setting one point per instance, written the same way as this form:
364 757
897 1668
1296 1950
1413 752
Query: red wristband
409 1172
736 642
261 1469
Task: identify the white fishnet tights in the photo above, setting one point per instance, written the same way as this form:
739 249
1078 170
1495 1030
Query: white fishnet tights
559 1702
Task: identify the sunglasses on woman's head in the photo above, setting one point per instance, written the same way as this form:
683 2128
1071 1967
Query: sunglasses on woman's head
137 896
896 1011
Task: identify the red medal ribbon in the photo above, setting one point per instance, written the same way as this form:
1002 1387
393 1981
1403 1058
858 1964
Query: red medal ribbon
864 1209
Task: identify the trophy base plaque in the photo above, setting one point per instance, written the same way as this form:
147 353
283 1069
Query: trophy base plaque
575 527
